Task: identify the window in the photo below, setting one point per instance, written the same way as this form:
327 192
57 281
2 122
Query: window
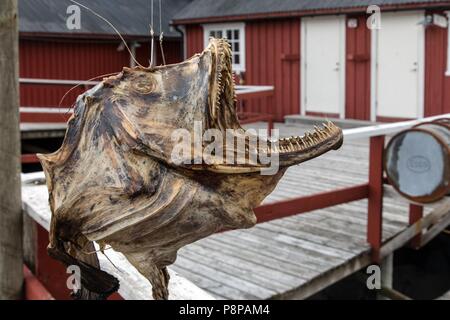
448 45
235 34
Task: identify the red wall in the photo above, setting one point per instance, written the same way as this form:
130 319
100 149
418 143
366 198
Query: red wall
194 40
173 52
437 85
273 58
76 60
357 86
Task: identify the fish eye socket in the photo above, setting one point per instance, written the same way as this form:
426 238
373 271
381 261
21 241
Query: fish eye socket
143 85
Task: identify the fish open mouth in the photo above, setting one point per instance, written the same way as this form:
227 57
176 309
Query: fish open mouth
222 100
222 115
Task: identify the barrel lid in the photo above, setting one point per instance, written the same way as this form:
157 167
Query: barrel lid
417 164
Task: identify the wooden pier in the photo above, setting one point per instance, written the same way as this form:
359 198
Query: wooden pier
296 256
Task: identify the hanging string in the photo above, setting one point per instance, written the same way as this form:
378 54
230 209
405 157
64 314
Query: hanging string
102 250
161 35
111 25
152 36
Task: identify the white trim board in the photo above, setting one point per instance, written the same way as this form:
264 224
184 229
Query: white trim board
373 74
343 73
62 110
57 81
223 26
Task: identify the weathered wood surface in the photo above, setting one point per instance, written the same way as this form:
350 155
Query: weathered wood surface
293 257
133 286
11 277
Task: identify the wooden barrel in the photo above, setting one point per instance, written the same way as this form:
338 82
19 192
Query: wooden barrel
417 161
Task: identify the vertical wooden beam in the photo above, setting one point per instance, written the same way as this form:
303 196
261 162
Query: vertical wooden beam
375 202
387 274
387 271
11 256
29 242
415 214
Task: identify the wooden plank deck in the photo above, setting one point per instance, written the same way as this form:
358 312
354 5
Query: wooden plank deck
293 257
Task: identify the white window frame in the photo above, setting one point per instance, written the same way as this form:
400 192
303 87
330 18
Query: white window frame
447 73
239 67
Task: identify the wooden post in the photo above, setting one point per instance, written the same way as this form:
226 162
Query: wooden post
375 202
29 242
415 214
387 274
11 256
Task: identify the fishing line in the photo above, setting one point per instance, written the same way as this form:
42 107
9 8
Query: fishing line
112 26
152 36
161 35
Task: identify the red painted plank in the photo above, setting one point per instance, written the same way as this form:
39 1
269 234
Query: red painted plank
304 204
357 88
375 203
194 39
415 214
295 67
76 60
34 117
51 273
29 158
268 42
437 85
73 60
33 288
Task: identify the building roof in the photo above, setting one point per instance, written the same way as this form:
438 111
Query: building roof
199 10
131 18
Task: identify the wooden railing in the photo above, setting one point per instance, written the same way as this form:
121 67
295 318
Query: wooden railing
372 190
46 278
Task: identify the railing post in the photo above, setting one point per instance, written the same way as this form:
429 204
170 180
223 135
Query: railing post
375 201
415 214
270 125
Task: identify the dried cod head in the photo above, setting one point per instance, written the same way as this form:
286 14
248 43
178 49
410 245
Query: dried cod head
114 180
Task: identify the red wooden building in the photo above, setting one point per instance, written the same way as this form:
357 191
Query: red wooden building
324 60
54 57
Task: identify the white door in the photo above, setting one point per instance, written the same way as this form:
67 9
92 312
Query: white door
323 65
400 67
